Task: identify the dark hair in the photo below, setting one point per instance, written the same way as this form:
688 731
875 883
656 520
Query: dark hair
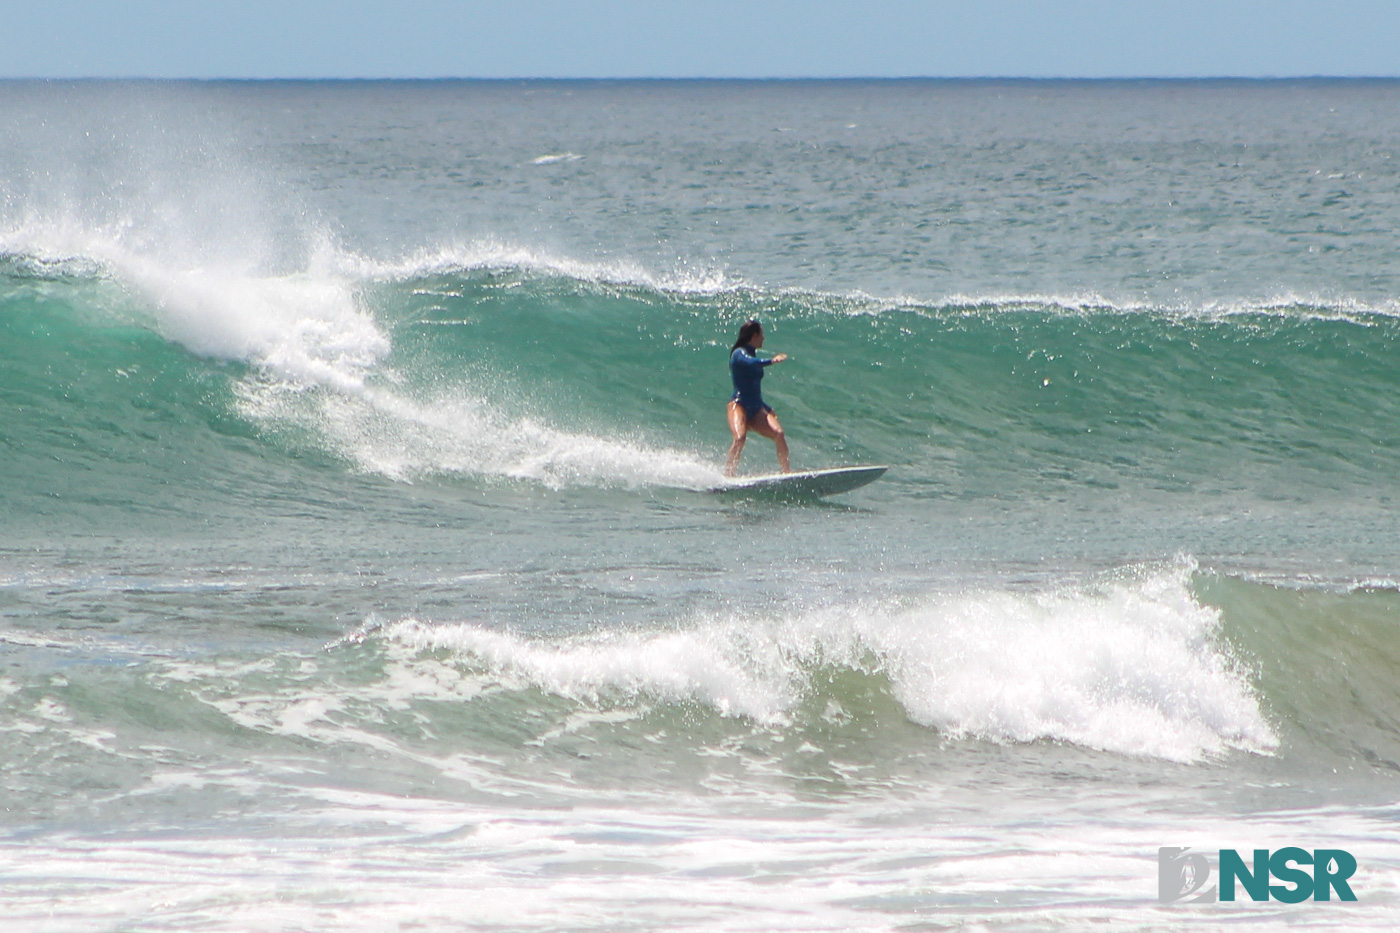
746 334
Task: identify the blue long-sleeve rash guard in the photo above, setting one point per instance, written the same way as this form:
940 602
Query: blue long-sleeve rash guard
746 369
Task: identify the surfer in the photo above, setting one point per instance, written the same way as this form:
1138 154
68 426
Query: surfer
747 408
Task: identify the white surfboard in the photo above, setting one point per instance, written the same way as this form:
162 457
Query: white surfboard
804 484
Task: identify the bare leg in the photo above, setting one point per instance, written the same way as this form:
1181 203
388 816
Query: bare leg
766 423
739 428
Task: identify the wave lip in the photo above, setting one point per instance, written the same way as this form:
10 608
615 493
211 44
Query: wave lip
306 328
493 255
1131 666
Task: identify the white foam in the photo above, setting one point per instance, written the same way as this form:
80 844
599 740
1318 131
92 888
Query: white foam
556 158
397 861
390 434
674 666
1130 665
302 328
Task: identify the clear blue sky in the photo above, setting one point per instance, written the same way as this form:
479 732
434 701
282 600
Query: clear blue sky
686 38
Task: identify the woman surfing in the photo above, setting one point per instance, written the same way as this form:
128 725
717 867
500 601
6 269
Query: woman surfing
747 408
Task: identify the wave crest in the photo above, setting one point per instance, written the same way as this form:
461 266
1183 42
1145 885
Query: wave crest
1132 665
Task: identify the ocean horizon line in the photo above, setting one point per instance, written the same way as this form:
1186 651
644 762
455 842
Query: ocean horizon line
694 79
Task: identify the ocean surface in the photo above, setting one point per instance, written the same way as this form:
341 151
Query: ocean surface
357 571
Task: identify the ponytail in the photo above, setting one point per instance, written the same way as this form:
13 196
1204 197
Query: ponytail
746 334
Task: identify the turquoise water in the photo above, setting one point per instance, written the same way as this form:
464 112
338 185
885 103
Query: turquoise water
357 570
